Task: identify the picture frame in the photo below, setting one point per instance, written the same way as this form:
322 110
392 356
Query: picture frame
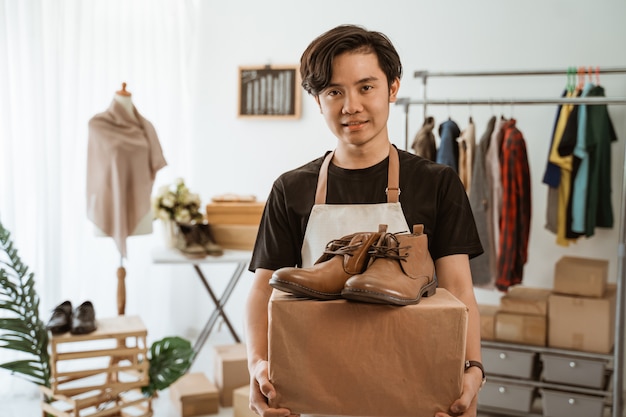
269 92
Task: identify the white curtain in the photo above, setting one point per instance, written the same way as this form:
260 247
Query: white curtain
61 62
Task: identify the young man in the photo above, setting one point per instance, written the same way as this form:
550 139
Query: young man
353 75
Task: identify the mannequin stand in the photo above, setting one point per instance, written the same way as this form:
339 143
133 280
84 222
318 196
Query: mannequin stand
121 290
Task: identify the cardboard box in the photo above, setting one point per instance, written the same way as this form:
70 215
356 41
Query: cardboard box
241 402
525 300
527 329
487 321
235 236
348 358
248 213
231 370
581 276
582 323
194 395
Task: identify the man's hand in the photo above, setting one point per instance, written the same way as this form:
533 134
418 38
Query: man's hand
262 390
466 405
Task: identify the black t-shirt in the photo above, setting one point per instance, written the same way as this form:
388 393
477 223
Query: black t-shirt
430 194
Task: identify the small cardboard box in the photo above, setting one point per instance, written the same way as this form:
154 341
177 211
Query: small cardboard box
241 402
581 276
235 236
243 213
231 370
194 395
525 300
487 321
349 358
582 323
528 329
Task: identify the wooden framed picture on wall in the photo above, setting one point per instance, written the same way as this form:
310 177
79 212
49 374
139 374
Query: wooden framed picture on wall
269 92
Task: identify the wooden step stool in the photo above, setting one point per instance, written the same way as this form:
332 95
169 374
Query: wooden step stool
100 371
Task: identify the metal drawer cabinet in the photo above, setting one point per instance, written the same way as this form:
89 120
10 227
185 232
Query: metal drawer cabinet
510 362
567 404
571 370
507 396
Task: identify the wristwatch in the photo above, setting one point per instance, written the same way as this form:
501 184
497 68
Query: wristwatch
469 364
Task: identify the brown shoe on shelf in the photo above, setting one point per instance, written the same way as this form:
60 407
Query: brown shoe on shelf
207 240
401 273
190 244
84 319
325 280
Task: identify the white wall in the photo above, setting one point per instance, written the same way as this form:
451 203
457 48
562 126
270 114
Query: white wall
245 156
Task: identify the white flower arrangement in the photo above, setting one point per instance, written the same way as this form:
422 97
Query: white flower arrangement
175 202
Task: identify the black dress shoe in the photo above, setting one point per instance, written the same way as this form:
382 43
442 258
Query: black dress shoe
84 319
61 318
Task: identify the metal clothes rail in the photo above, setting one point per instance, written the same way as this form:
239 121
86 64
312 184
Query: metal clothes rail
425 101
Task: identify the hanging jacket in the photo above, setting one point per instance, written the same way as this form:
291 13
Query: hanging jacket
600 135
516 208
483 267
581 180
424 142
448 152
467 143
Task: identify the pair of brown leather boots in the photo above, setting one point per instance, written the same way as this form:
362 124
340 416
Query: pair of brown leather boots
374 267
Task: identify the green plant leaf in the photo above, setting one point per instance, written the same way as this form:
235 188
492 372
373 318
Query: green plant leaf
21 329
169 359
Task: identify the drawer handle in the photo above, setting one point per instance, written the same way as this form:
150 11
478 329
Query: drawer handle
502 390
572 364
571 401
502 355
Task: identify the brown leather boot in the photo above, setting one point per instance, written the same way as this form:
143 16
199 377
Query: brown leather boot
401 272
324 280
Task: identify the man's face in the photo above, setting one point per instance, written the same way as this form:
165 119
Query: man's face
355 104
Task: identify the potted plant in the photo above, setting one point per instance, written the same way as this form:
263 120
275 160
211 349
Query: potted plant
22 330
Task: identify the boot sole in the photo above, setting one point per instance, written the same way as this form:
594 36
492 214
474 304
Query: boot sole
302 291
367 296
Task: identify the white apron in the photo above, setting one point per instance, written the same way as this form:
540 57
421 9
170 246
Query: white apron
333 221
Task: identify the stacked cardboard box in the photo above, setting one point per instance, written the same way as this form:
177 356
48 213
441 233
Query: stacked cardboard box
194 395
241 402
523 316
230 370
578 313
235 223
582 306
347 358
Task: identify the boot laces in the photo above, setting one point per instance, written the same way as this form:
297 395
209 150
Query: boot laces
388 248
341 247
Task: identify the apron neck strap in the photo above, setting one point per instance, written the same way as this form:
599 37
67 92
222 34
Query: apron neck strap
393 178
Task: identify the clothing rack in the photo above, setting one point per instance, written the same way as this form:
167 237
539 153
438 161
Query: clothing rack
425 101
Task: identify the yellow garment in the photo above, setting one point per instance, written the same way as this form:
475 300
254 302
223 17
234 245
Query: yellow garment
565 163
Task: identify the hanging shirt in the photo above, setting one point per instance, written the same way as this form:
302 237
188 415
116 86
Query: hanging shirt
600 134
555 193
467 143
448 152
581 180
123 157
484 266
424 143
516 208
494 179
564 162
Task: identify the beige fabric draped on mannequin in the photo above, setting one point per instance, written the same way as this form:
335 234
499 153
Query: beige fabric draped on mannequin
123 157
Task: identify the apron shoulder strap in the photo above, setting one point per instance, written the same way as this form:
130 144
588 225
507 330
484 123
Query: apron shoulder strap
393 178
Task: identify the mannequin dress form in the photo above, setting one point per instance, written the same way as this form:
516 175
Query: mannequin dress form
123 157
